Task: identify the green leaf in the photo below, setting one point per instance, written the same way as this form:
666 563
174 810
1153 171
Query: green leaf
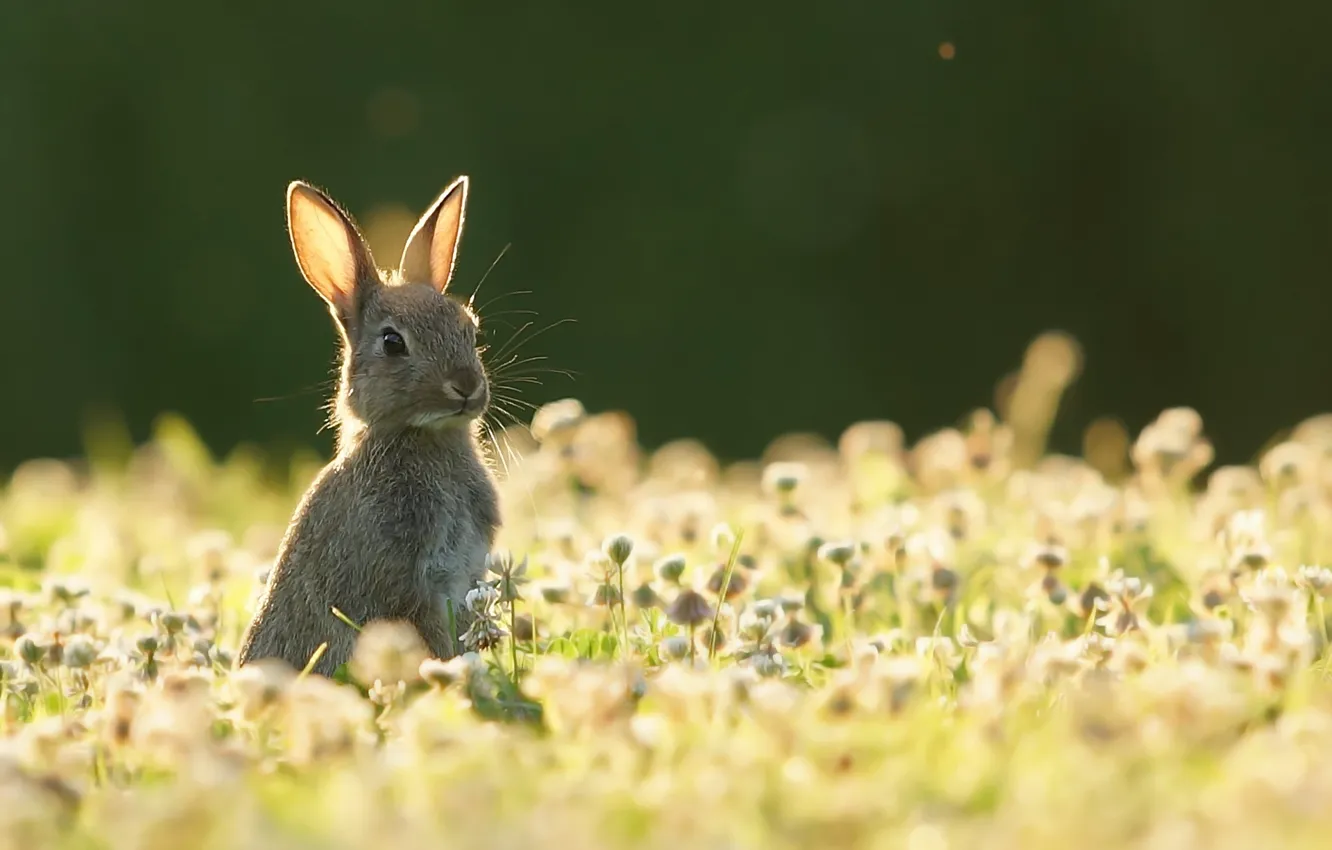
564 647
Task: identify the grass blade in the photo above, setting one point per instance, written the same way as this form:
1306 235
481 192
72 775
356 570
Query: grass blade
721 594
314 659
344 618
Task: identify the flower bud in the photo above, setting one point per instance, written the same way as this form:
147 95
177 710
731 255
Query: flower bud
671 568
838 553
618 548
29 649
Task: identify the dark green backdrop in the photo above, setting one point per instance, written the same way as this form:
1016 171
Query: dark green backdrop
764 216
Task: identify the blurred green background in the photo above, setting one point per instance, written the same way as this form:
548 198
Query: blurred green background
763 217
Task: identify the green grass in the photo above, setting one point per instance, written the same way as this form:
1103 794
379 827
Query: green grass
941 648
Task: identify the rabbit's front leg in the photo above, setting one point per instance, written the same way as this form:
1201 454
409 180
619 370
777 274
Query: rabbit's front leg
437 634
453 564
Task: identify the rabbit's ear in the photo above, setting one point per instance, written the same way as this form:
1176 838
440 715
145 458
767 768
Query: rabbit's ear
329 249
432 247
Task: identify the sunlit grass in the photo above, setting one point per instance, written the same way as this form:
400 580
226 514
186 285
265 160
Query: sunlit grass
964 643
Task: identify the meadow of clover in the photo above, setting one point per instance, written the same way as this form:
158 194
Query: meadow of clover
964 641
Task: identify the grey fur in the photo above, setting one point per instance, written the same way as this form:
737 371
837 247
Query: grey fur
398 524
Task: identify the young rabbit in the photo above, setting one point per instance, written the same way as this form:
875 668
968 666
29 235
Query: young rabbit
399 524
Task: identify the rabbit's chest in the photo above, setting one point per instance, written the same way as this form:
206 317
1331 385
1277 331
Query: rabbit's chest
454 555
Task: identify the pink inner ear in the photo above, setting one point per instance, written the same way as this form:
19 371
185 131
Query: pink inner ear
324 246
433 244
444 245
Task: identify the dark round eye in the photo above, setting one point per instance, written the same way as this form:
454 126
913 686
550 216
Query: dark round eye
394 344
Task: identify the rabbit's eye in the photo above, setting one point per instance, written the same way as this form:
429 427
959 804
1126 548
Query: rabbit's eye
394 344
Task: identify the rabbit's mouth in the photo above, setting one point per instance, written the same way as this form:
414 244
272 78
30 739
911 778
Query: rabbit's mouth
443 419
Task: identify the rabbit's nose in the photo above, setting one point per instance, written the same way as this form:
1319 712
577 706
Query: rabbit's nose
465 385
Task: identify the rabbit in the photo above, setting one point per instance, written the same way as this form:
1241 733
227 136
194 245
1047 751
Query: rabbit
399 525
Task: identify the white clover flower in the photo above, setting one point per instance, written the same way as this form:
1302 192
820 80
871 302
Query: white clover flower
783 477
80 652
768 664
557 418
388 651
481 599
482 634
1316 578
675 647
722 537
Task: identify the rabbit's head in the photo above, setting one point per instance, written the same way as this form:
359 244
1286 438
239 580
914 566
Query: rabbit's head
410 357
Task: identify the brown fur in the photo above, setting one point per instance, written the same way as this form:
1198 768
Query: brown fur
398 524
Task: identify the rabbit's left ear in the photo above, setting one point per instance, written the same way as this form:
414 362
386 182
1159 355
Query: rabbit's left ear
432 247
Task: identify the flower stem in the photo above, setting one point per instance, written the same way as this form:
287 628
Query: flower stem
513 637
624 614
1321 614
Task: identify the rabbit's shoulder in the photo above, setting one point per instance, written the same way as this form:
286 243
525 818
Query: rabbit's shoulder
357 514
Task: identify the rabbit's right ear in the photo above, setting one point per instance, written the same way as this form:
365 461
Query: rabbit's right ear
330 251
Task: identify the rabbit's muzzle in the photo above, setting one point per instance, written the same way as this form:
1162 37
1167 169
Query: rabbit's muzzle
468 388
